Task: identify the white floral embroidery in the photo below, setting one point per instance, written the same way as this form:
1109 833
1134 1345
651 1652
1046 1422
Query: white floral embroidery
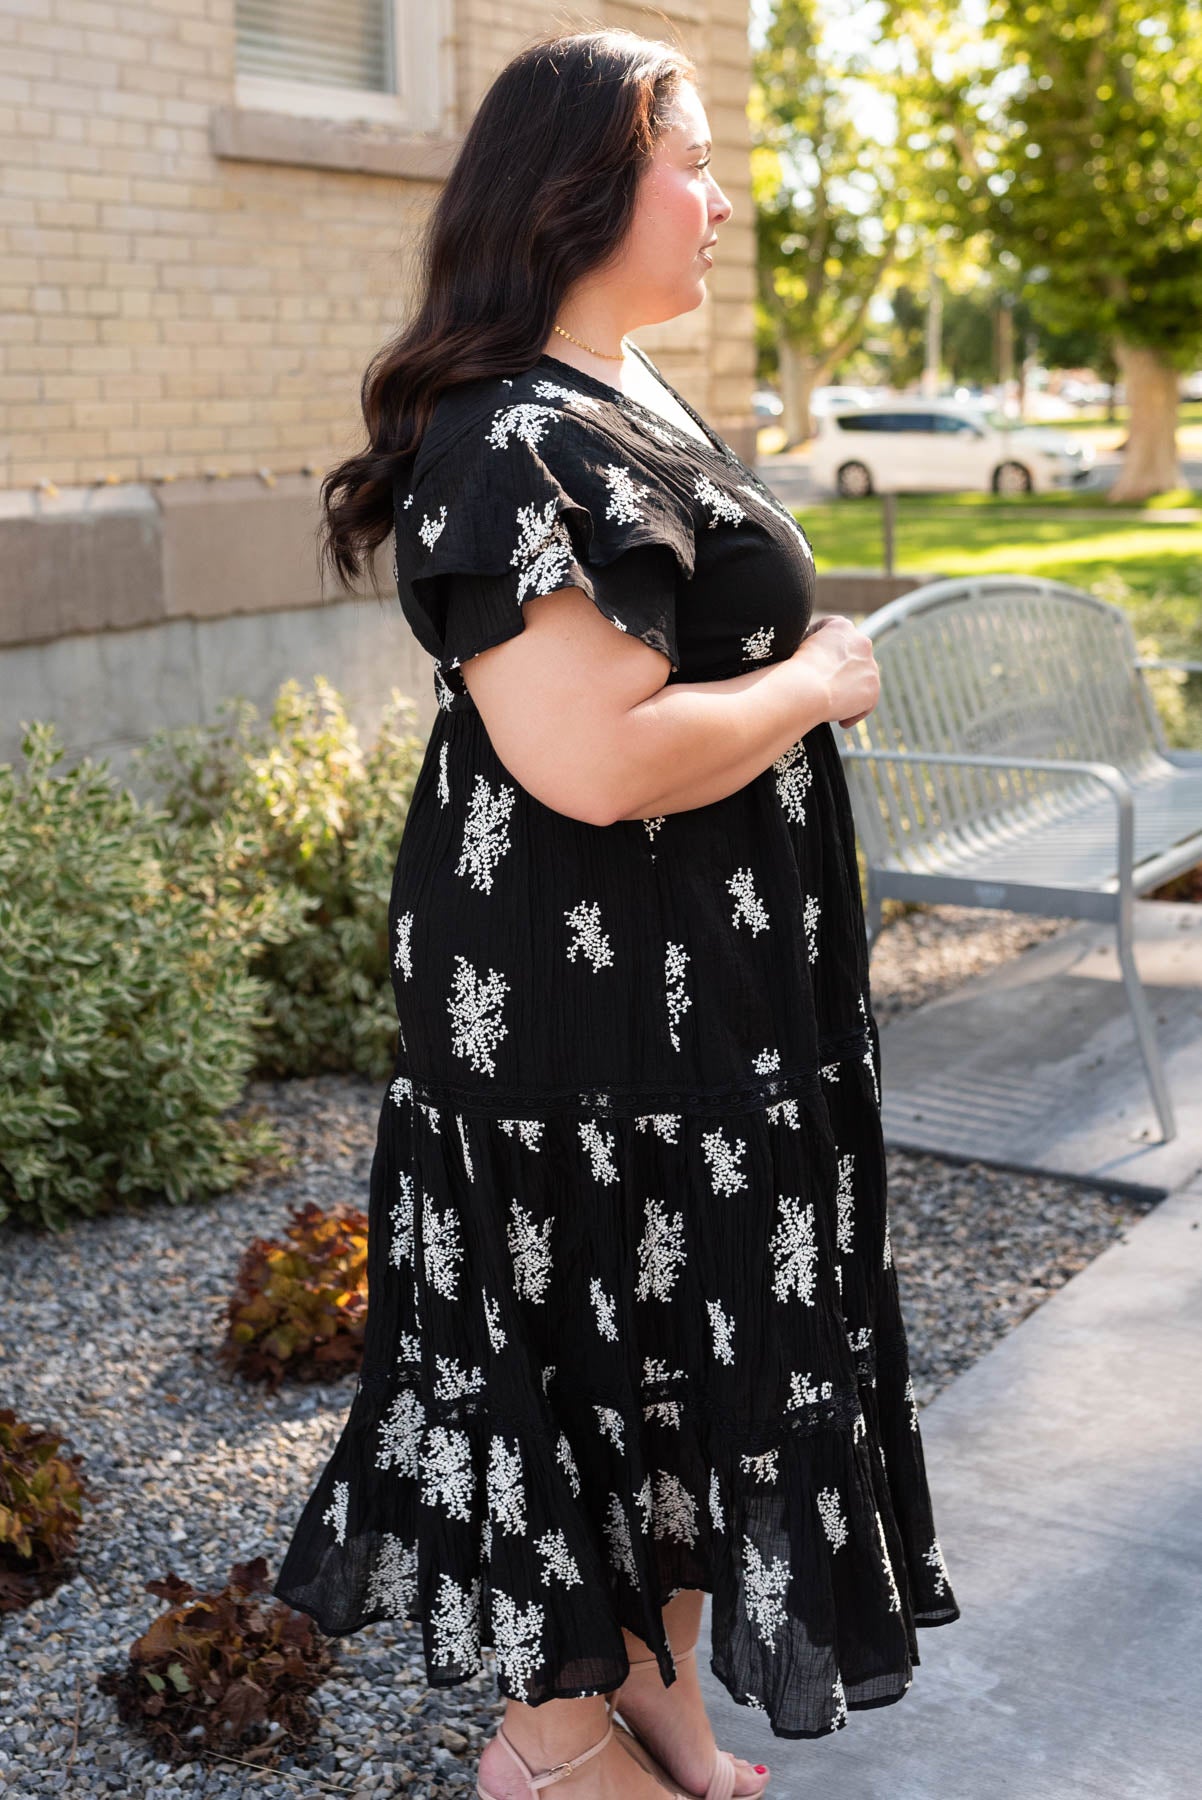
453 1380
665 1125
661 1252
455 1625
651 826
392 1579
474 1006
859 1428
525 420
543 555
759 644
763 1467
646 1505
678 1000
802 1391
723 1328
444 693
723 1159
467 1154
402 1090
840 1700
845 1201
763 1587
624 494
617 1530
558 1563
400 1248
604 1305
444 785
448 1477
547 1374
912 1400
609 1423
895 1600
430 530
432 1115
667 1412
795 1248
600 1148
585 921
530 1248
402 959
675 1509
528 1130
813 907
492 1319
833 1521
868 1058
410 1348
503 1482
335 1513
716 1513
887 1259
443 1249
830 1071
723 506
749 908
485 832
765 1061
567 1462
934 1560
551 390
794 778
401 1435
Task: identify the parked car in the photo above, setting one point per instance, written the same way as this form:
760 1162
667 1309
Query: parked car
923 446
1191 386
824 400
766 404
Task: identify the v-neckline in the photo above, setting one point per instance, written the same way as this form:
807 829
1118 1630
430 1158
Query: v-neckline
713 443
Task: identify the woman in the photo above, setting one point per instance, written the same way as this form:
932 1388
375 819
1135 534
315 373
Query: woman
633 1330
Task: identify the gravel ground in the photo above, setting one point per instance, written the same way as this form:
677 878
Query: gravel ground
109 1334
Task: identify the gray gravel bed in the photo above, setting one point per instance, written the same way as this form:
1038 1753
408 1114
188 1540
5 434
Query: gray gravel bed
109 1333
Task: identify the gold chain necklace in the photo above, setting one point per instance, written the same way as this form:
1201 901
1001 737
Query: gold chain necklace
608 355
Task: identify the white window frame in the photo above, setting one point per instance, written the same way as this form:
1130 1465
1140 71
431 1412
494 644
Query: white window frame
419 31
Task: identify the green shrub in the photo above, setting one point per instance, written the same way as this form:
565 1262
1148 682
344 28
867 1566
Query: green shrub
310 816
300 1308
41 1503
222 1672
127 1017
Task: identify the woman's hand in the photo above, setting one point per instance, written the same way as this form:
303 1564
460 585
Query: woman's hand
842 655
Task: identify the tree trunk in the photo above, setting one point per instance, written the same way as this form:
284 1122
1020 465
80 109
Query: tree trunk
1151 464
800 374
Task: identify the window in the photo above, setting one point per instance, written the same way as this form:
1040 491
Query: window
886 421
342 59
947 424
348 44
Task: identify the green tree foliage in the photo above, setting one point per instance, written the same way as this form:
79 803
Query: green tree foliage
1072 137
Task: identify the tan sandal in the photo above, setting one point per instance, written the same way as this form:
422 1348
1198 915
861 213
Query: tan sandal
534 1780
724 1773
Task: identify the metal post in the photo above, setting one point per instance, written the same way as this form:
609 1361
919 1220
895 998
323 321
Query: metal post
888 526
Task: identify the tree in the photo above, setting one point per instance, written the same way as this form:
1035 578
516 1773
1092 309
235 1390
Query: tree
1072 138
831 199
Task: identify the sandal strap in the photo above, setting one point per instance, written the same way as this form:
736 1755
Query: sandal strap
560 1769
722 1781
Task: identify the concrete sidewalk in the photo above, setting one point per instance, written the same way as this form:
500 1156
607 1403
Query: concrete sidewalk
1066 1474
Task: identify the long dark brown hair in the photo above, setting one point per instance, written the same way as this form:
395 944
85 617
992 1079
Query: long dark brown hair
543 190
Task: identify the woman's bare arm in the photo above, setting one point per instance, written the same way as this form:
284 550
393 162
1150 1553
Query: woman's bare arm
579 714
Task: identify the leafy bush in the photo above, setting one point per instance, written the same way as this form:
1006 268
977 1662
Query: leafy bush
300 1308
41 1503
127 1017
222 1672
307 814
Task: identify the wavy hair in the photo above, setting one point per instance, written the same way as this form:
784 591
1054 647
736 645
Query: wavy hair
542 191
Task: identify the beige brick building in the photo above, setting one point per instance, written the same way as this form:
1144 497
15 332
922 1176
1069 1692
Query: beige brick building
208 210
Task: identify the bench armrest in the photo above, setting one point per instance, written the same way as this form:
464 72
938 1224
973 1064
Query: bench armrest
1105 773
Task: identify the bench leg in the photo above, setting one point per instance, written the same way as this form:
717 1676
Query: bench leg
1145 1029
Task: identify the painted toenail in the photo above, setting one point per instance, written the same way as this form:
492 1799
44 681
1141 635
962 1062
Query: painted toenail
761 1768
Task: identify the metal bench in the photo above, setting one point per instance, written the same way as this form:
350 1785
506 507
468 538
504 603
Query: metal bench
1016 759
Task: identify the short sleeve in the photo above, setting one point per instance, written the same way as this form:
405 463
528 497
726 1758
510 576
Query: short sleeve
523 501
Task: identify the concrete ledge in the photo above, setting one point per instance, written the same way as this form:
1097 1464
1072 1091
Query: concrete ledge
249 134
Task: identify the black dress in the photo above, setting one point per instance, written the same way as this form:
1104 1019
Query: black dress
633 1319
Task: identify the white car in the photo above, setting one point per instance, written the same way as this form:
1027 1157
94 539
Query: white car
923 446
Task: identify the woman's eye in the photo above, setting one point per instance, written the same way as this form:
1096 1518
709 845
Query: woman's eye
705 164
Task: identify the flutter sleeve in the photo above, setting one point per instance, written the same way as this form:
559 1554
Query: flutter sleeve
525 500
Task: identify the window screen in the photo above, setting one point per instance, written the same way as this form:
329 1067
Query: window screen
333 43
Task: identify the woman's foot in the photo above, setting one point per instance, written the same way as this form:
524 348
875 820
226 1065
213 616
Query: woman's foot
673 1724
612 1774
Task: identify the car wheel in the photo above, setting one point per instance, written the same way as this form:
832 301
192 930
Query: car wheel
853 481
1012 478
